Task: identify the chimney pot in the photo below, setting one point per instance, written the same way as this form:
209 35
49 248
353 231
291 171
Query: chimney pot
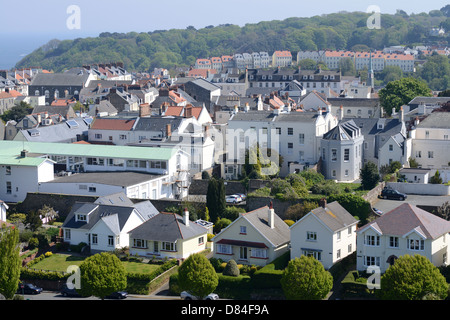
186 217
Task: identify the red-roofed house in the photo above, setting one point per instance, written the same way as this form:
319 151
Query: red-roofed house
281 59
105 130
403 230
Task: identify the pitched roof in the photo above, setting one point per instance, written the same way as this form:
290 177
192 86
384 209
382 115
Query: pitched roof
259 220
113 124
439 120
334 216
166 227
59 79
406 218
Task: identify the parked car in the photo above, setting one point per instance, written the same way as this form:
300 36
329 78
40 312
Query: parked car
186 295
118 295
234 198
66 292
388 193
28 288
377 211
243 196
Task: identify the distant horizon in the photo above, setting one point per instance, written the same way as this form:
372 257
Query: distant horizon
101 17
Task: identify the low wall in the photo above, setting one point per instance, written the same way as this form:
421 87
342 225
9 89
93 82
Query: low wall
373 194
421 188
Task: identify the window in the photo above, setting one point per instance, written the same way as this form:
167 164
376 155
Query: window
346 154
169 246
259 253
333 173
338 254
243 230
371 261
311 236
430 154
338 235
224 249
301 138
333 154
346 172
349 231
201 241
372 240
122 136
92 189
349 247
67 234
290 131
8 170
418 154
8 187
140 243
393 242
278 130
290 145
98 136
313 253
81 217
415 244
391 147
427 134
110 241
94 238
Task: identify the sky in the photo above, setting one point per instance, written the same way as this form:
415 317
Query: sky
28 24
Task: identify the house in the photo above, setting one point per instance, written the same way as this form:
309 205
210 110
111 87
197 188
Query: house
403 230
59 85
328 233
281 58
104 227
342 152
356 107
202 90
415 175
430 142
168 235
294 135
254 238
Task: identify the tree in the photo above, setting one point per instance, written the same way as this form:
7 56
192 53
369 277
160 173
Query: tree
197 275
17 112
443 211
354 204
412 278
436 179
102 274
347 67
215 198
299 210
307 64
402 91
33 221
305 278
10 261
231 269
369 176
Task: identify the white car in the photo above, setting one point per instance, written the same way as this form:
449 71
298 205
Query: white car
234 198
186 295
243 196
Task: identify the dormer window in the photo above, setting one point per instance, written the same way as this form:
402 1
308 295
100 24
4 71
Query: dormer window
81 218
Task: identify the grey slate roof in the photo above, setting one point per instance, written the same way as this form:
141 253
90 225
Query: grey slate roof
157 123
277 236
334 216
59 79
354 102
343 131
60 132
406 218
436 120
166 227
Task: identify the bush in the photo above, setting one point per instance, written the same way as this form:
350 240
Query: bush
231 269
33 243
221 224
326 187
232 212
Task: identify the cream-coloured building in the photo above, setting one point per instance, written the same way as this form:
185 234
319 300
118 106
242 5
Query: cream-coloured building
168 235
328 233
403 230
255 238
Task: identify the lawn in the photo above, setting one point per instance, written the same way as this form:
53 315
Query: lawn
60 262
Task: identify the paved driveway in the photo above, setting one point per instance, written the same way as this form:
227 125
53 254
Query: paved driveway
388 205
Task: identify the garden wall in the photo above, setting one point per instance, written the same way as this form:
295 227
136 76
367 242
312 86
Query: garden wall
421 188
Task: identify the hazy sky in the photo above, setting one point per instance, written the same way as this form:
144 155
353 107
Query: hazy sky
50 16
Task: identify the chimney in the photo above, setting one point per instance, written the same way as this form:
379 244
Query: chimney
188 111
247 107
186 217
39 118
271 218
319 111
144 110
236 109
168 130
341 113
323 202
416 121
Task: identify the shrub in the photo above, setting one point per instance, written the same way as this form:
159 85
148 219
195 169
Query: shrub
48 254
33 243
232 212
289 222
231 269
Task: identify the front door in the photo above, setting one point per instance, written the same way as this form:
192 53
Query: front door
243 253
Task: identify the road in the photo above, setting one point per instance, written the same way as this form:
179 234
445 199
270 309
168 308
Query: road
388 205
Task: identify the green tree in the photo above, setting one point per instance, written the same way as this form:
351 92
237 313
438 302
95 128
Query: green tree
347 67
17 112
369 176
354 204
215 198
10 261
197 275
33 221
436 179
102 274
231 269
402 91
307 64
305 278
412 278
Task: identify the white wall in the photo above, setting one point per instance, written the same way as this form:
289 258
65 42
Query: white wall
420 188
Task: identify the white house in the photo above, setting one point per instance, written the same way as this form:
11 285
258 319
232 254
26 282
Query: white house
104 227
328 233
403 230
256 237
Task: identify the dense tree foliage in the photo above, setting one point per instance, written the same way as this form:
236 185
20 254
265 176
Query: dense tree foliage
101 275
369 176
413 278
10 261
197 275
215 198
305 278
177 47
